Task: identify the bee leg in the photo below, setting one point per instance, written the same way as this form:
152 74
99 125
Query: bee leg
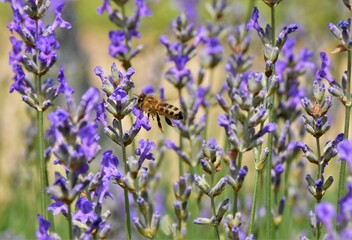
148 116
168 121
151 115
159 123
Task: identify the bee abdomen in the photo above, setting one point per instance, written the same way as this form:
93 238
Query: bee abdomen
178 115
170 111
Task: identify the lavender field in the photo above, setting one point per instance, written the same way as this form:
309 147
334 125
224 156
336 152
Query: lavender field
179 119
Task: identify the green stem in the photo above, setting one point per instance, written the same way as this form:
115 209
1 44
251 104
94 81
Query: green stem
207 109
317 141
213 205
286 227
180 166
287 173
125 62
319 176
44 181
42 165
341 186
235 201
69 220
269 223
254 202
127 202
235 194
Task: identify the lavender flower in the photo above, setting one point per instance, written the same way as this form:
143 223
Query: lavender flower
289 69
121 40
271 49
335 89
342 32
182 191
212 53
180 52
74 141
24 51
118 104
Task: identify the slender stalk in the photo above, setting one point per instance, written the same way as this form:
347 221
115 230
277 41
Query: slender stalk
286 228
235 201
317 141
125 62
44 182
127 202
180 166
319 176
207 110
69 220
341 186
269 223
254 202
213 205
235 193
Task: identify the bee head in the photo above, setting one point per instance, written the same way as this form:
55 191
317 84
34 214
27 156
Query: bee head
140 99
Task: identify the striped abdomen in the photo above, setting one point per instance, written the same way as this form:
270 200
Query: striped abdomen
169 111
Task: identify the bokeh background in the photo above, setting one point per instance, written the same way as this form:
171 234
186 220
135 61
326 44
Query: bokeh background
85 46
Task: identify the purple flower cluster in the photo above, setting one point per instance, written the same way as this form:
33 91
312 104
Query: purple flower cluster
260 121
121 40
36 50
74 140
119 104
180 52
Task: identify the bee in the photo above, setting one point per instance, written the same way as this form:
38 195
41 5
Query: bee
154 106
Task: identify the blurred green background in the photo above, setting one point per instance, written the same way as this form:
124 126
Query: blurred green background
85 46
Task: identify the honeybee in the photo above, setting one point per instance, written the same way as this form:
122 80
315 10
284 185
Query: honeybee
154 106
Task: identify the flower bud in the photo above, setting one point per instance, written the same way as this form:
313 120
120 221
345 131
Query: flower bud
335 31
318 90
201 183
206 166
273 84
30 101
218 188
328 183
202 221
222 209
257 117
30 64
